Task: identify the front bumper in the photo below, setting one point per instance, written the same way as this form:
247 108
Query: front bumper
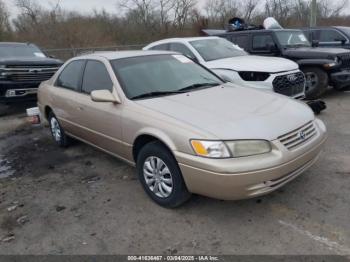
15 92
340 79
241 178
292 89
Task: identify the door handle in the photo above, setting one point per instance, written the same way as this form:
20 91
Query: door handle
80 108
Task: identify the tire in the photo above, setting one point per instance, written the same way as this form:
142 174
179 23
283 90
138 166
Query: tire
167 189
316 82
57 132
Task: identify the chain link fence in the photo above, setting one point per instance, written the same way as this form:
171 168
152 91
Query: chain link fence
67 53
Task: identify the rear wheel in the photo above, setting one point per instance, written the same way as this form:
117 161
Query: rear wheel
57 131
316 82
161 176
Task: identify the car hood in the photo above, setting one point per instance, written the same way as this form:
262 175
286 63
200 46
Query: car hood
30 61
314 52
233 112
253 63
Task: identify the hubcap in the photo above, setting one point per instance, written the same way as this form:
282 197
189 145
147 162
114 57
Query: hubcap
158 177
55 129
311 80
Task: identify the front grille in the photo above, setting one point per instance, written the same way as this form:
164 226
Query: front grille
289 85
299 136
345 61
29 73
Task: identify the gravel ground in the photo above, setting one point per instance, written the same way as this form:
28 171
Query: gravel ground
82 201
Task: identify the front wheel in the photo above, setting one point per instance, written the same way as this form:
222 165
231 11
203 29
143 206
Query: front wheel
57 131
316 82
161 176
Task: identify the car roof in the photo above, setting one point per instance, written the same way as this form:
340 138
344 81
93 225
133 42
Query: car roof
15 43
341 27
114 55
318 27
260 31
182 39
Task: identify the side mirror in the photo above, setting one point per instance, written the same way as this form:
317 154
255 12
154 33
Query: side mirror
315 43
104 96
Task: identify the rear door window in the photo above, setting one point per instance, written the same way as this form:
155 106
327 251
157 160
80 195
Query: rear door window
242 41
262 42
96 77
164 47
70 77
182 49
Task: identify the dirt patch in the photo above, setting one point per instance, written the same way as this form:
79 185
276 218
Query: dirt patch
24 158
8 223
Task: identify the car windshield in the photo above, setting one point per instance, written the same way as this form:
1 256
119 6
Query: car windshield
20 51
157 75
214 49
292 38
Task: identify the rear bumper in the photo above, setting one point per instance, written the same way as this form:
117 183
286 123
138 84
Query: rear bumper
340 79
261 180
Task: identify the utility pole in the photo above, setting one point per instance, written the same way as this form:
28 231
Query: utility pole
313 13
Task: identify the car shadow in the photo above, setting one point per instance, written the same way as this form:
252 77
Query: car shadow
15 108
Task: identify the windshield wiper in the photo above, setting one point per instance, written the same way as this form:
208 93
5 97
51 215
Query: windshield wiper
198 86
180 91
156 93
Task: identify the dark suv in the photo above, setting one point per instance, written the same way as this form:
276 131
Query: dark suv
329 36
321 66
23 67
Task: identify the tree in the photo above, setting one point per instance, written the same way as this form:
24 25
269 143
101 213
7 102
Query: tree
165 7
182 9
5 29
220 11
30 9
249 6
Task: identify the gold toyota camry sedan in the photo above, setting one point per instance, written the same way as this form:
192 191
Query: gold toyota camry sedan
185 129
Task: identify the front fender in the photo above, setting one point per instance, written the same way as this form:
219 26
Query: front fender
160 135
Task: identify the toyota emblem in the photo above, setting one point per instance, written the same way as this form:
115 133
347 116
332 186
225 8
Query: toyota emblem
292 77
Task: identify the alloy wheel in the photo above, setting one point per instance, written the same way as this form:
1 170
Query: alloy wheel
311 80
55 129
158 177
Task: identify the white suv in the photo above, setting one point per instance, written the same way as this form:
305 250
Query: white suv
233 64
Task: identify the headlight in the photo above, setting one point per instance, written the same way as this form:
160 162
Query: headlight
242 148
211 149
2 73
329 65
227 149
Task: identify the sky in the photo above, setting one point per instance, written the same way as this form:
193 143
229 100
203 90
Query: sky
87 6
